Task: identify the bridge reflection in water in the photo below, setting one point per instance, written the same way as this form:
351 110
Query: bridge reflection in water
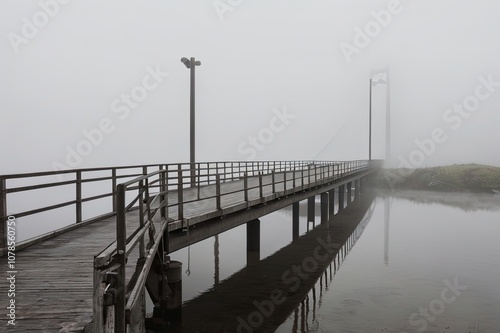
289 284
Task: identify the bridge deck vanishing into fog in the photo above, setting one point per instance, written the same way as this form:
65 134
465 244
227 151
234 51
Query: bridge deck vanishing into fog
93 274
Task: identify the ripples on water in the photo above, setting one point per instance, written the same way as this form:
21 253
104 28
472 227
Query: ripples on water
396 274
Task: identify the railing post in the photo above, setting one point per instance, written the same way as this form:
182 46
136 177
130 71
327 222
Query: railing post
141 219
198 179
113 187
273 180
302 179
180 196
162 190
245 186
217 192
224 171
78 196
121 236
261 189
3 214
284 181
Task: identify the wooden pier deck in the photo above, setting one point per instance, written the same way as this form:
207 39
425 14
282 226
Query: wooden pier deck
54 277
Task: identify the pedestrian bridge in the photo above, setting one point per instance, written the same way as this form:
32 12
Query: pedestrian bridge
93 274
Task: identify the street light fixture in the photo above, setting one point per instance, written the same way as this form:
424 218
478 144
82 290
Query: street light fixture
191 65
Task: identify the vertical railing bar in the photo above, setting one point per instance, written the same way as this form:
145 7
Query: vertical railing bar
142 249
3 213
113 187
78 196
273 181
261 187
198 184
294 178
284 180
121 236
163 189
225 175
217 192
180 196
245 187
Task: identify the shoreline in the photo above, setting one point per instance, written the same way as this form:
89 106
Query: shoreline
464 178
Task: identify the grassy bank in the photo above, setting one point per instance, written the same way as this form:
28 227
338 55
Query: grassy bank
453 178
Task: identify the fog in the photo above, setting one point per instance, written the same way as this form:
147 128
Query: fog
294 75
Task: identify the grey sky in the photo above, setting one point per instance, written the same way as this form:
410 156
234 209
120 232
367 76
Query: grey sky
259 59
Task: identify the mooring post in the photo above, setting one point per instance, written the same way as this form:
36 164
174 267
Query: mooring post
341 197
253 242
295 220
324 207
174 300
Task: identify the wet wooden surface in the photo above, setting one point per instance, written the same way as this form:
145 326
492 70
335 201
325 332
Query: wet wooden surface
54 278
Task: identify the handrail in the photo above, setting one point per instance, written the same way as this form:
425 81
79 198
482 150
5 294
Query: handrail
82 178
269 179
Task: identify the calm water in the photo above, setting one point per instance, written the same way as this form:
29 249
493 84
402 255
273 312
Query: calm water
424 262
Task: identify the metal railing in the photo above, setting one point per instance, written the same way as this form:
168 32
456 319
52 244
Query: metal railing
207 173
79 179
163 195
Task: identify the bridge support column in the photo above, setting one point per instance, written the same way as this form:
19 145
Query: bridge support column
349 193
311 201
324 207
331 203
357 188
295 220
253 242
341 197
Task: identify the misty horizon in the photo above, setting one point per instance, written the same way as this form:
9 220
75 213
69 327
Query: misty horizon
88 84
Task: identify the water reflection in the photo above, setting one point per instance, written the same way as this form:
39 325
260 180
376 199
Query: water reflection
469 202
397 266
387 219
425 245
292 274
305 318
216 261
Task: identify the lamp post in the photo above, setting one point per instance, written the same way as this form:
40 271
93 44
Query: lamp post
380 78
191 65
